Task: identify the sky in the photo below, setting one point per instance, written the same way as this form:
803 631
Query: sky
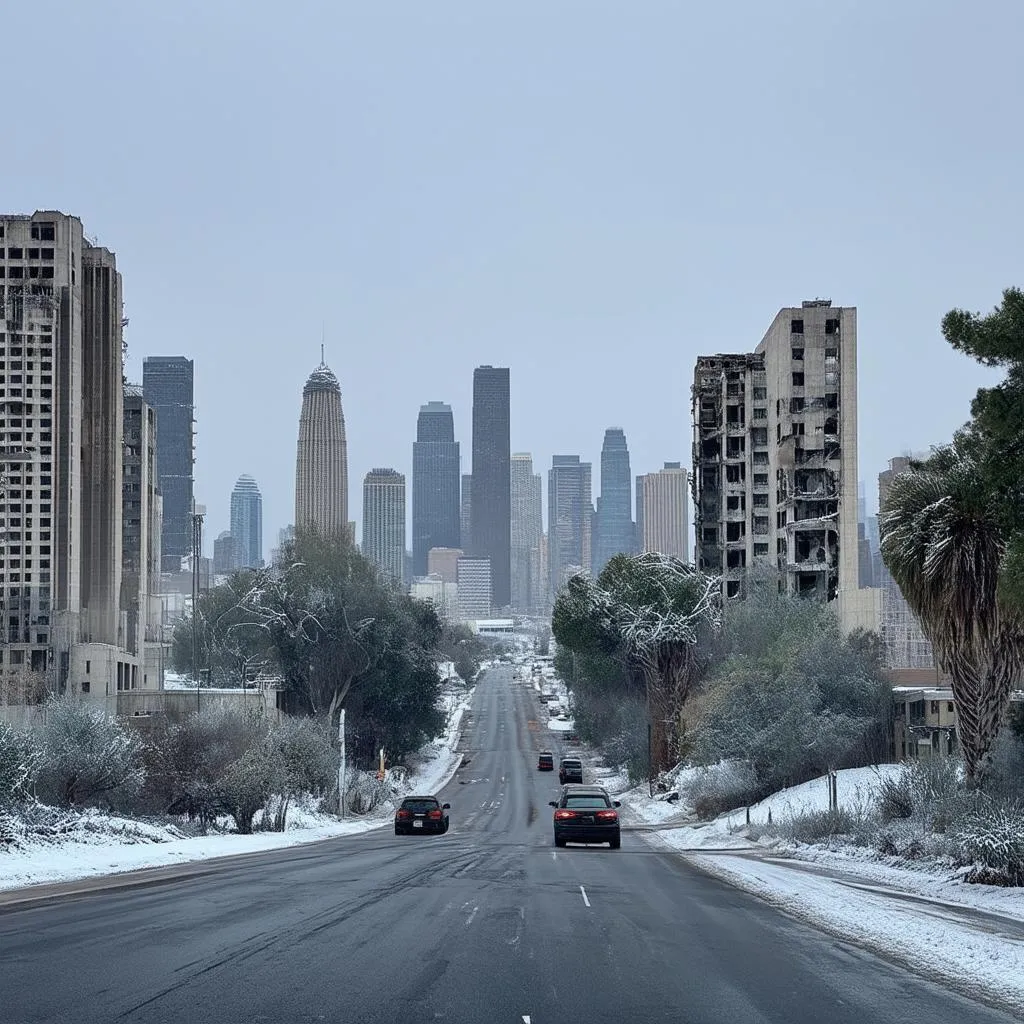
592 193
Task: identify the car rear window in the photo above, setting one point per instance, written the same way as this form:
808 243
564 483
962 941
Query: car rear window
419 805
571 762
582 802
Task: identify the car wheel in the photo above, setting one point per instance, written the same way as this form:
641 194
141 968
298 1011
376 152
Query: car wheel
446 826
615 843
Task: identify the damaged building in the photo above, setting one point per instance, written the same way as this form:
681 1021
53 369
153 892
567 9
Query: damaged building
775 459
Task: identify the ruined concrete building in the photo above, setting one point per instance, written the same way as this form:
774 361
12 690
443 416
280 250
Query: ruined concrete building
775 458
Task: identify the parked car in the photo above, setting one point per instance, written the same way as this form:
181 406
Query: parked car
421 814
570 769
586 814
546 761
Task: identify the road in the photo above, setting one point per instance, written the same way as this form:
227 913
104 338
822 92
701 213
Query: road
486 924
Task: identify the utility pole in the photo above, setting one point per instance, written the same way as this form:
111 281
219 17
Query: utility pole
197 548
341 763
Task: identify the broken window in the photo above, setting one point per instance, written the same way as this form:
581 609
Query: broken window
798 353
831 400
735 447
732 588
760 414
710 449
734 414
796 405
44 231
798 380
831 354
796 327
736 559
760 394
735 474
709 479
760 479
832 425
760 549
736 502
709 535
760 501
735 531
831 326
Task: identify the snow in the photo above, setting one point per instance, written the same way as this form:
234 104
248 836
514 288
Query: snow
102 844
558 726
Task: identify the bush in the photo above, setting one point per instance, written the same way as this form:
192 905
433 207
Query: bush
87 755
247 786
814 826
993 843
895 797
720 787
20 762
303 761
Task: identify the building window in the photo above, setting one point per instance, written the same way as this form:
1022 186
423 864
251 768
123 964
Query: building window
44 231
831 326
15 254
760 394
949 705
798 380
798 354
85 686
796 327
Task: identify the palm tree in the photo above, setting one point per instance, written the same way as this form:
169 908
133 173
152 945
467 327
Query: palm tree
941 539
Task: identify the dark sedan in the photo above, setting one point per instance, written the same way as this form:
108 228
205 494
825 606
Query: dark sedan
421 814
586 814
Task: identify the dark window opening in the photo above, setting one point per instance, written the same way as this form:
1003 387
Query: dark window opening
735 531
44 231
736 559
732 588
832 400
798 380
709 535
796 327
831 326
735 474
736 502
798 353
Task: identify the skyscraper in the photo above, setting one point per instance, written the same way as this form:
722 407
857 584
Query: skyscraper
570 511
435 484
527 530
321 464
225 554
474 588
168 387
662 503
384 521
490 509
465 511
614 532
247 523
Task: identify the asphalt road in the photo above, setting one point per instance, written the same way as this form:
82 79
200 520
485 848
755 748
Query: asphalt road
486 924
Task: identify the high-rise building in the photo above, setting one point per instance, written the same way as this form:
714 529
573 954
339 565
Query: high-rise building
570 510
438 592
168 387
384 521
247 523
444 562
663 501
775 457
903 639
465 511
490 508
435 484
321 464
61 459
225 554
474 588
527 529
614 532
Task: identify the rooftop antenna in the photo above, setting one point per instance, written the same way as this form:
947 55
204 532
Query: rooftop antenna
322 333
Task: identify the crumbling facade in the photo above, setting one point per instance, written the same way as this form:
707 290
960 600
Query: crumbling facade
775 457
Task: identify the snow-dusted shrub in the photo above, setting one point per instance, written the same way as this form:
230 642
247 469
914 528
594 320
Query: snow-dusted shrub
304 762
814 826
720 787
20 761
247 786
895 797
993 843
87 755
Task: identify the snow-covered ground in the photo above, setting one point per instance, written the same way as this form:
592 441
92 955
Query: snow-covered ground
970 936
101 844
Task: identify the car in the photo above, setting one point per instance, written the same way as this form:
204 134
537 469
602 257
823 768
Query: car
570 769
586 814
545 761
421 814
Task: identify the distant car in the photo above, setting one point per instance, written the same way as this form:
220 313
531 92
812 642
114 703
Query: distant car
570 770
546 761
586 814
421 814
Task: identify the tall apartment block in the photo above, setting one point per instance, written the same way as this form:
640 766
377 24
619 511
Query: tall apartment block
435 484
570 511
168 387
384 521
61 470
466 511
662 504
475 587
490 508
775 457
527 530
614 532
247 523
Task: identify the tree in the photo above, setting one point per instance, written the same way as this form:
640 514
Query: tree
943 540
654 613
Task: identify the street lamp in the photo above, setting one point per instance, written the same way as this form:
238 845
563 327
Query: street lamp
197 547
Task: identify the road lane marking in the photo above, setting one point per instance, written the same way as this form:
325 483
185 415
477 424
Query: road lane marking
585 900
526 1018
472 914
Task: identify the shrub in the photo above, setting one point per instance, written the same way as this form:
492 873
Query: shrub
246 787
993 843
895 797
88 755
303 760
720 787
813 826
20 761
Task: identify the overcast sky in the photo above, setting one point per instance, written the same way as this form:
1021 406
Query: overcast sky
592 193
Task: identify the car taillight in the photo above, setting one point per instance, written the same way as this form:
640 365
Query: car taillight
563 815
607 815
435 815
404 813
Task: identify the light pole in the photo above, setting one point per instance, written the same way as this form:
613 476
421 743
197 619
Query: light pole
197 547
341 763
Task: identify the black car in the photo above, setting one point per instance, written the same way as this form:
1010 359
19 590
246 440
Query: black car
545 761
586 814
421 814
570 770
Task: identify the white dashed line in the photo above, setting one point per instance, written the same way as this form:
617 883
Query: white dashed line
585 900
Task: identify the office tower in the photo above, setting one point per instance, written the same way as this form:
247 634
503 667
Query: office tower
321 464
247 523
444 562
61 469
527 528
438 592
474 588
663 502
903 640
490 508
140 537
775 456
614 532
168 387
225 554
465 510
435 484
570 510
384 521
